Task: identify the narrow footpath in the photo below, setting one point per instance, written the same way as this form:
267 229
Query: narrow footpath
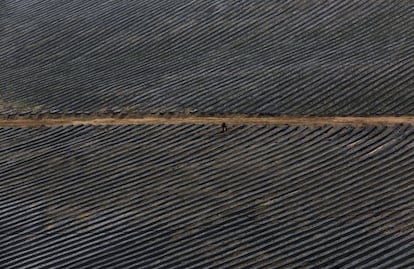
228 119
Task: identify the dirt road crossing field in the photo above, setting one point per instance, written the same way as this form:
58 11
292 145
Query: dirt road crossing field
232 120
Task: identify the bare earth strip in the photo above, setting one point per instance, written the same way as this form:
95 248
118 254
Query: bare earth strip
229 119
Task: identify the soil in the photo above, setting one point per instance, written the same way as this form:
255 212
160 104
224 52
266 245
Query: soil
229 120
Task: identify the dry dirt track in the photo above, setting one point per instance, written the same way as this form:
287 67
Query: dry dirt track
231 120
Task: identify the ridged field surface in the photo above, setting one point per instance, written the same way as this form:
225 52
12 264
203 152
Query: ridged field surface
337 57
188 196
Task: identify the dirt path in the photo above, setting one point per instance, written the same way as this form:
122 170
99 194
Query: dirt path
230 120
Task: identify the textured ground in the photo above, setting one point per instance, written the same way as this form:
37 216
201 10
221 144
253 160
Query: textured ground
169 190
232 56
187 196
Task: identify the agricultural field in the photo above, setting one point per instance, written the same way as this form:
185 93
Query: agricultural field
188 196
111 154
232 56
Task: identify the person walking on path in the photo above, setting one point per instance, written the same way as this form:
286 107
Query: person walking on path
223 127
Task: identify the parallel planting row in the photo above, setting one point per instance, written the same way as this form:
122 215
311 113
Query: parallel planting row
188 196
274 57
